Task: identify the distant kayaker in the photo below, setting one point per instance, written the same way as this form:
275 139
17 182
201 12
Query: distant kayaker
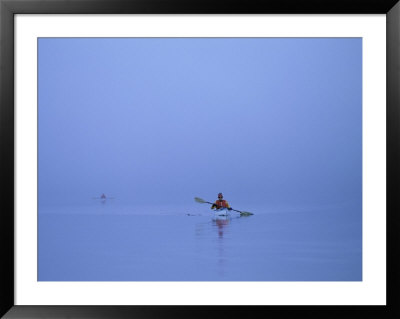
220 202
103 196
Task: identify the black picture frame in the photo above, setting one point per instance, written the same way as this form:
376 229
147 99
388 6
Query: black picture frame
9 8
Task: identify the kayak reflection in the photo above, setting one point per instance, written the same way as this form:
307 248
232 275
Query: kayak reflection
221 222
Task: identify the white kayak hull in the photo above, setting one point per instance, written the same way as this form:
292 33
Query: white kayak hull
222 212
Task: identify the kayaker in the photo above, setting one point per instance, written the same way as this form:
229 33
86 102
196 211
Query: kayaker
220 202
103 196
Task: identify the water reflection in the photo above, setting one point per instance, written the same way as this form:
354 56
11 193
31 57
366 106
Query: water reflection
215 245
222 225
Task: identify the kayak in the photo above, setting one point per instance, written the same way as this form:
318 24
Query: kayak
222 212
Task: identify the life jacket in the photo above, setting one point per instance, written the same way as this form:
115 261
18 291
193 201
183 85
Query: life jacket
222 203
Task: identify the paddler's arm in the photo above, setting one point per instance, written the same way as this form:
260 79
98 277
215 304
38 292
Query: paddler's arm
227 205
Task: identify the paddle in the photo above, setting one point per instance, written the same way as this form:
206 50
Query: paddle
242 213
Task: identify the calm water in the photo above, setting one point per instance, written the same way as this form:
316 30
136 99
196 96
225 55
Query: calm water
111 242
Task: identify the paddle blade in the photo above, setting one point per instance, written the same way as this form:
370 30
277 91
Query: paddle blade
246 214
199 200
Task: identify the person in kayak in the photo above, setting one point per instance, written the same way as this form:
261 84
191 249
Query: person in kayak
103 196
220 202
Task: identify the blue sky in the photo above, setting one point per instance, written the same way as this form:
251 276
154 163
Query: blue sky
161 120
